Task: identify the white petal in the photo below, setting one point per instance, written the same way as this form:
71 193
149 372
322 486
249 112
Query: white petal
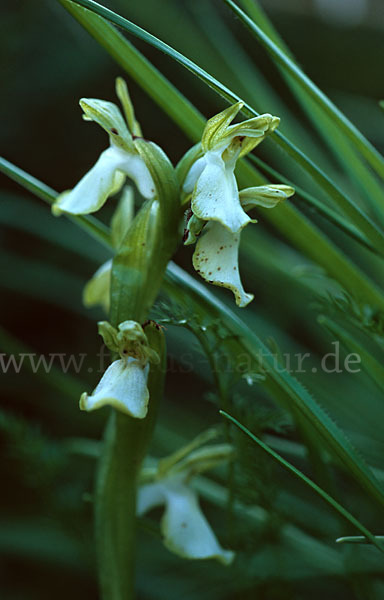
216 260
193 175
97 289
136 169
100 182
123 386
216 197
94 188
186 530
149 496
108 116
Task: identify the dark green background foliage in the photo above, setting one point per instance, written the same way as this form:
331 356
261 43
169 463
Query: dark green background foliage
284 534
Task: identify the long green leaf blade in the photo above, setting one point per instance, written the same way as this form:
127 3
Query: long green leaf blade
287 465
361 220
371 154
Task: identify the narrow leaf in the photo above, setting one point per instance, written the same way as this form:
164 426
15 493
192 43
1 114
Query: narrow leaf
287 465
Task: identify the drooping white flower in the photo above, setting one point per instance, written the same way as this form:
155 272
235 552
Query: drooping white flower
185 529
216 260
218 211
124 384
119 161
211 179
216 254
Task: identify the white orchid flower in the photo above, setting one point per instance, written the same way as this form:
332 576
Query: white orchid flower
185 529
216 254
119 161
218 211
211 179
124 384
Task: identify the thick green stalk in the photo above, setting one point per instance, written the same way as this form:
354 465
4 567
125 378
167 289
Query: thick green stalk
124 448
115 509
137 274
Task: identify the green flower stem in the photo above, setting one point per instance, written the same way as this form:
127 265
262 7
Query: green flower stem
115 509
125 443
137 274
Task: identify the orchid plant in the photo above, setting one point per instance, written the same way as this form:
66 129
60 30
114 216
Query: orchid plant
320 254
218 213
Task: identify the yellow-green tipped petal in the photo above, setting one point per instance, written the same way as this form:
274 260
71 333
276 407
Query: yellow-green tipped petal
251 142
203 459
97 290
217 125
216 197
109 335
267 196
108 116
216 260
131 331
250 133
124 387
185 529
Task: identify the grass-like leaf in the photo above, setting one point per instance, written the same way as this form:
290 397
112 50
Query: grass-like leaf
286 219
93 226
360 219
177 281
287 465
365 147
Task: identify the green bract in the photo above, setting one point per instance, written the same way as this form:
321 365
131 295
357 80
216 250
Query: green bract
97 291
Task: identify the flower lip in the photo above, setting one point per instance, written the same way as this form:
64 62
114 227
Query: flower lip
123 386
216 260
